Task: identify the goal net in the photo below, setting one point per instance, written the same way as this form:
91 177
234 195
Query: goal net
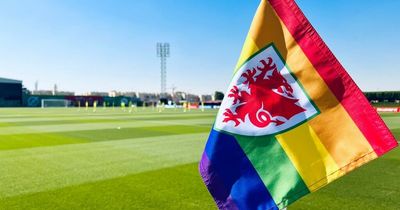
55 103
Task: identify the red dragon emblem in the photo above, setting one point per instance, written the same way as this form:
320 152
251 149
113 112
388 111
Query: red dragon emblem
265 97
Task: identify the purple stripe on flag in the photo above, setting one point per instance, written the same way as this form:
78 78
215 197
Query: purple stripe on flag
218 191
230 177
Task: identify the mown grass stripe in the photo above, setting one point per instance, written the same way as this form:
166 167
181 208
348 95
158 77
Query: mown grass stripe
98 120
18 141
127 116
47 168
99 126
396 133
177 187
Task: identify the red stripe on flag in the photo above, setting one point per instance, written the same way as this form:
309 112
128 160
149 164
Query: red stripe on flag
335 76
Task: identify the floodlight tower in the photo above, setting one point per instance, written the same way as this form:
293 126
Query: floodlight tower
55 89
36 87
163 54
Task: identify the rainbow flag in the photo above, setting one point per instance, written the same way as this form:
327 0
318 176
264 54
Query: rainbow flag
292 120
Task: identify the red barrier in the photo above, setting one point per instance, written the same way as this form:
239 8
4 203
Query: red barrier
387 109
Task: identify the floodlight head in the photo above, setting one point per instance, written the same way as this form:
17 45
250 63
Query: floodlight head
162 49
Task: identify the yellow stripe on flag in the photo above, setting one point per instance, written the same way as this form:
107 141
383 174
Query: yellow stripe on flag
249 48
309 156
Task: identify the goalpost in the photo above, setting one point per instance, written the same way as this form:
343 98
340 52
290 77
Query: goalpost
55 103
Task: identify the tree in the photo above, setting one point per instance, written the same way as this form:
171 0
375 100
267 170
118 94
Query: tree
218 95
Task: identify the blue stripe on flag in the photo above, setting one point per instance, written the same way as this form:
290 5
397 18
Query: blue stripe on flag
229 175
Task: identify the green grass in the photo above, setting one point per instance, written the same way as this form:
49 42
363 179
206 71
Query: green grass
111 159
386 104
85 136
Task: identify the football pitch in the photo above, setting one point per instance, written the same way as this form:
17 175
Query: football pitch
69 158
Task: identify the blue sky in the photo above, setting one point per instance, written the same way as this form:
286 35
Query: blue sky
102 45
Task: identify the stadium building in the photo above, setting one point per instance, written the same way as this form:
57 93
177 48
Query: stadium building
10 92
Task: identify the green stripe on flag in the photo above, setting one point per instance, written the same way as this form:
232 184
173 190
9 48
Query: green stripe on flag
274 167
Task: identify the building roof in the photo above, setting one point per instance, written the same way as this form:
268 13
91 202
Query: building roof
13 81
